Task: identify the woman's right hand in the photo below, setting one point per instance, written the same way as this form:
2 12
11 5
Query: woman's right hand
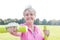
12 29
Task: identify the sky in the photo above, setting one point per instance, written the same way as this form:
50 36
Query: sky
45 9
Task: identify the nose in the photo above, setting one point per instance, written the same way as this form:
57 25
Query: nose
29 16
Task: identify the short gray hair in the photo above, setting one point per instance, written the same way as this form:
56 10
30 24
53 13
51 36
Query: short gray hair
30 9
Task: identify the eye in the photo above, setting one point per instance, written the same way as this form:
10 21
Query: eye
31 14
26 14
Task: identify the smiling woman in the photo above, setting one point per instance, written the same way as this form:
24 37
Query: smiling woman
33 32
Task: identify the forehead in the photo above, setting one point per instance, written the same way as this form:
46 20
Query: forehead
29 12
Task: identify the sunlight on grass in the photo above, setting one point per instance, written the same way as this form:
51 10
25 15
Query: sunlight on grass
7 36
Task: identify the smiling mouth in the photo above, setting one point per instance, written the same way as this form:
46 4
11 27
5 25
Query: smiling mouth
29 18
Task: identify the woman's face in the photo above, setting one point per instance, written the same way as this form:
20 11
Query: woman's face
29 16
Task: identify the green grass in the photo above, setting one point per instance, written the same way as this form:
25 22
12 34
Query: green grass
54 34
7 36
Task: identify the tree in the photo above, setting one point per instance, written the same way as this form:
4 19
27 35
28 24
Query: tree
52 22
49 22
1 22
44 22
58 22
21 21
37 21
6 21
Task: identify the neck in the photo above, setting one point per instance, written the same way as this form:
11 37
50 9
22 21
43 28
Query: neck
29 25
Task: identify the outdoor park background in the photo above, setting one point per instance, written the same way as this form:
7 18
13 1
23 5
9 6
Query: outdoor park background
47 13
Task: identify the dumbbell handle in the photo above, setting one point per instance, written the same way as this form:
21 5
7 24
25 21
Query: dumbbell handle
20 29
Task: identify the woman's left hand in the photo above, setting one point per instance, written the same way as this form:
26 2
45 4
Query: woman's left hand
46 32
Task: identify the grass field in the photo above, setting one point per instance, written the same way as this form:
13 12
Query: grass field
54 34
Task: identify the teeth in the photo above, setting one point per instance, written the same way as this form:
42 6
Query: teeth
29 19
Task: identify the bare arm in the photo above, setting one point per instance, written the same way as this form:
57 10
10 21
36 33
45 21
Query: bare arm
13 31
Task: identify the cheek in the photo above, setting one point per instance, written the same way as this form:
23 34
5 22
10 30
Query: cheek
26 18
32 18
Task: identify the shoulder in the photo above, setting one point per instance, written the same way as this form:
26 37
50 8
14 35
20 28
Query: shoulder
38 28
